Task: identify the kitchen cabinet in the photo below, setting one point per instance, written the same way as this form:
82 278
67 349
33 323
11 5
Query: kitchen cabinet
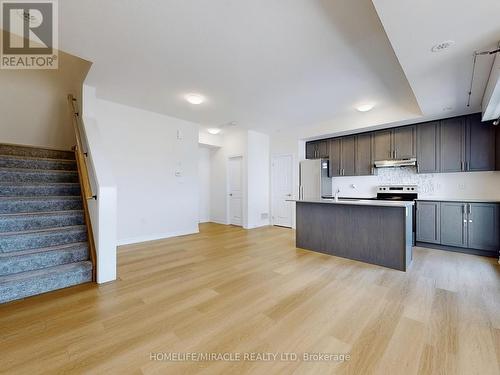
467 144
483 226
398 143
459 144
453 224
459 224
348 156
480 144
452 145
317 149
497 149
310 150
428 222
364 163
342 155
334 156
403 142
428 147
382 145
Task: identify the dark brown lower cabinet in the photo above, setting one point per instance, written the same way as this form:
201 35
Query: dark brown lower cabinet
474 226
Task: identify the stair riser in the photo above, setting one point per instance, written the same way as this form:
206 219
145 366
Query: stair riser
38 177
30 262
12 207
16 290
35 152
13 243
36 191
37 164
35 222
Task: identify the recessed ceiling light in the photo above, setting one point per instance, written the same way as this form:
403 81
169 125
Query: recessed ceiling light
442 46
214 131
365 107
195 98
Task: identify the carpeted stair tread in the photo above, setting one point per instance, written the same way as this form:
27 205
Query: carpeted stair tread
34 189
19 150
25 284
27 162
34 259
37 175
17 241
37 204
43 236
40 220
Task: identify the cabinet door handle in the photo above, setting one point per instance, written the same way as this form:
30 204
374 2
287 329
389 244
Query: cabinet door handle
466 165
461 165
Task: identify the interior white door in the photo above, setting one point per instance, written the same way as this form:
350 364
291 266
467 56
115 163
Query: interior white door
235 191
282 168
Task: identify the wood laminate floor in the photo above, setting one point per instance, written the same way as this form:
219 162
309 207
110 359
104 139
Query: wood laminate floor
231 290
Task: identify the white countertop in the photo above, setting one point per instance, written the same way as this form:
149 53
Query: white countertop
465 200
360 202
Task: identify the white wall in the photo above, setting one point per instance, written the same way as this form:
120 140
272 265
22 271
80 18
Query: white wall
234 144
204 174
103 211
145 156
258 189
254 147
281 144
468 185
34 106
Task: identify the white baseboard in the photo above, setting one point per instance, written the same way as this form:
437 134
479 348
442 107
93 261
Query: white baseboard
222 222
155 237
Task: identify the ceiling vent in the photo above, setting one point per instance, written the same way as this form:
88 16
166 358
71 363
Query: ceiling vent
442 46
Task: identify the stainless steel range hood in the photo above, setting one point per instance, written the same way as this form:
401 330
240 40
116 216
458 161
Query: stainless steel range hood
412 162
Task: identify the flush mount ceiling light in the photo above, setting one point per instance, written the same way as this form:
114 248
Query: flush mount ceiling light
365 107
214 131
195 98
442 46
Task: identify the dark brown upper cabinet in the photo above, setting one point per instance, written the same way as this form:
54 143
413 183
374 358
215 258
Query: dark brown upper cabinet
382 145
364 162
467 144
428 148
348 156
310 150
317 149
452 145
342 156
335 156
457 144
398 143
404 142
479 145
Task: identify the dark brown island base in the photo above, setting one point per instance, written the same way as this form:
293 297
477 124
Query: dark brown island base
376 232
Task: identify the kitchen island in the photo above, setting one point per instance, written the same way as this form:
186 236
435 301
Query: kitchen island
371 231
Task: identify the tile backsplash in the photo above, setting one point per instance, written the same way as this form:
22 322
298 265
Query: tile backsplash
480 185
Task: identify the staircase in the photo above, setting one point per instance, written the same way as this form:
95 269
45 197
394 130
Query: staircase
43 237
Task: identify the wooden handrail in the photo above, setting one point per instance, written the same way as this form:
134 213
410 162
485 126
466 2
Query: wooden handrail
85 185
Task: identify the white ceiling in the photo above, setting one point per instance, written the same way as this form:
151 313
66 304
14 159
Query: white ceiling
441 80
298 65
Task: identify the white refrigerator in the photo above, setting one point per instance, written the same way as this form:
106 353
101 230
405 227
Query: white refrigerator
314 180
